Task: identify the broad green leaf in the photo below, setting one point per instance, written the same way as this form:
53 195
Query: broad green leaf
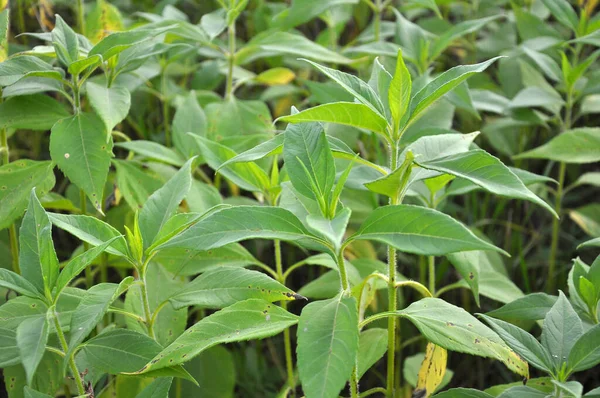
532 307
118 42
455 329
123 351
563 12
79 263
17 180
164 202
215 371
372 345
346 113
488 172
245 320
419 230
19 309
541 384
562 328
31 112
355 86
241 223
457 31
189 119
104 19
399 92
467 265
309 161
65 41
13 281
442 84
580 145
85 64
214 23
32 336
585 353
48 381
153 150
223 286
92 308
110 103
135 185
81 148
522 342
327 345
91 230
37 258
14 69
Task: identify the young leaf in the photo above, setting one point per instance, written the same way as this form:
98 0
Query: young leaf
244 320
331 229
585 353
17 180
562 328
65 42
39 264
81 148
327 345
399 92
223 286
163 203
32 336
110 103
580 145
486 171
522 342
419 230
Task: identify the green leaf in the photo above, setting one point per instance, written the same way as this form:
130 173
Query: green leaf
562 328
79 263
585 353
31 112
346 113
399 92
223 286
17 180
271 147
102 20
14 69
9 352
355 86
163 203
327 345
590 243
30 393
79 66
65 41
419 230
240 223
571 389
37 258
457 31
154 151
395 183
372 345
13 281
110 103
189 119
32 336
455 329
442 84
580 145
488 172
463 393
81 148
158 388
309 161
91 230
532 307
522 342
331 229
215 371
302 11
563 12
245 320
135 185
118 42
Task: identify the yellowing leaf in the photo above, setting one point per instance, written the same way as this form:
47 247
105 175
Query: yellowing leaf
432 370
102 21
276 76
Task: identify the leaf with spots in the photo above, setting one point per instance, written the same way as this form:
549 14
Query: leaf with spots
432 370
244 320
104 19
17 179
327 345
81 148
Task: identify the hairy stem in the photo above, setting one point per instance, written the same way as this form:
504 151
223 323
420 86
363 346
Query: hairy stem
289 364
65 347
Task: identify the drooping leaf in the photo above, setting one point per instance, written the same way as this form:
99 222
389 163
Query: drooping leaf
580 145
214 369
432 370
81 148
327 345
110 103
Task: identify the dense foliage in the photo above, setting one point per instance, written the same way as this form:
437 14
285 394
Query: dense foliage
264 198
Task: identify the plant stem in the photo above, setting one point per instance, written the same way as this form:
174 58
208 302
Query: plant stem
230 60
551 281
377 20
289 364
431 266
89 275
146 305
165 108
80 18
354 384
65 347
342 267
22 28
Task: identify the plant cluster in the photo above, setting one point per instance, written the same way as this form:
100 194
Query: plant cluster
259 198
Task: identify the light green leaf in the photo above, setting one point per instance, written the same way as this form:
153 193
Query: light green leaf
110 103
332 230
17 180
395 183
457 31
65 41
32 336
81 148
271 147
135 185
245 320
91 230
14 69
31 393
327 345
189 119
9 352
118 42
463 393
563 12
37 258
79 66
399 92
488 172
590 243
585 353
157 389
580 145
215 371
31 112
562 328
419 230
532 307
223 286
153 150
13 281
372 345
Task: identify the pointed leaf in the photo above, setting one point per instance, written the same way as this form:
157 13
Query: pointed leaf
32 336
399 92
153 150
563 12
562 328
580 145
532 307
372 345
189 119
110 103
13 281
14 69
65 41
585 353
